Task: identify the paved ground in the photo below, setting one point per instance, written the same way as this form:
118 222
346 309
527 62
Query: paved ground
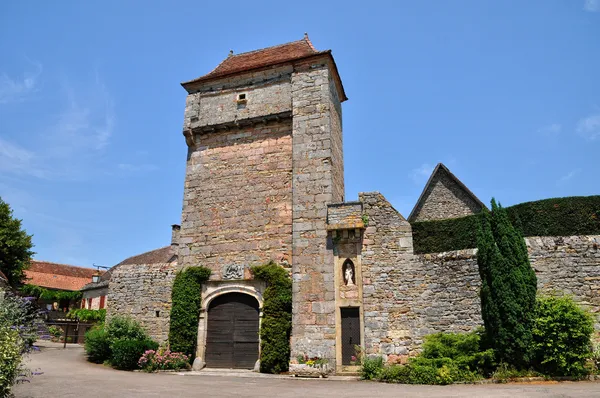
67 374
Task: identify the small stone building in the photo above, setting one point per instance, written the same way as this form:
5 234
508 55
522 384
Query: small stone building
265 182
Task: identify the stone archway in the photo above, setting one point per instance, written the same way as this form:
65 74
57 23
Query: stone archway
232 332
211 291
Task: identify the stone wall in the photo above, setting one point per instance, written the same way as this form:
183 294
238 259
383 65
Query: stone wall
237 205
568 265
444 198
143 292
316 183
267 92
407 296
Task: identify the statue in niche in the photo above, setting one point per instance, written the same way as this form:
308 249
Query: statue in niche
348 269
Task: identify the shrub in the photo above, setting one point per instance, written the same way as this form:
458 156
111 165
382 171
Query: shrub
163 359
124 328
371 368
445 235
10 363
185 311
463 349
97 344
508 288
561 337
56 332
127 352
276 324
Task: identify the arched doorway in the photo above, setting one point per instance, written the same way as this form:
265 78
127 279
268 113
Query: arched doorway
232 332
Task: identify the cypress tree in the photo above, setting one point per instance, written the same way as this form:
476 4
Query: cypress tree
508 288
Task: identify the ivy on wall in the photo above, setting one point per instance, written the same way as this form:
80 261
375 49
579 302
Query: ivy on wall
576 215
185 309
48 294
276 325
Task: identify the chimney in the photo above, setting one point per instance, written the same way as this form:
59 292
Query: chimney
175 228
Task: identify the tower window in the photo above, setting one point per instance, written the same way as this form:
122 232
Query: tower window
241 97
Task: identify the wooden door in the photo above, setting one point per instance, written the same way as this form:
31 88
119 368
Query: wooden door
232 332
350 333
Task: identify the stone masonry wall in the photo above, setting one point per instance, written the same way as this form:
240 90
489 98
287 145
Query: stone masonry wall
444 199
315 184
267 92
238 198
408 296
139 291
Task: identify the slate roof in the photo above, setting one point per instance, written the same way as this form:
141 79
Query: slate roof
442 168
58 276
270 56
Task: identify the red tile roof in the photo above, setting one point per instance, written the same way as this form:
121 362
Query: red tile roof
58 276
157 256
262 58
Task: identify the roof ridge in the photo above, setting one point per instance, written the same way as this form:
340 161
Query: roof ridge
277 45
139 254
66 265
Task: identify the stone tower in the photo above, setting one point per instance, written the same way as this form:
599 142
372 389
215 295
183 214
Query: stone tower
264 136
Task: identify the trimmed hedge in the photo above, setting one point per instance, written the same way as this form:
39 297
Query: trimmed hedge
185 311
276 325
576 215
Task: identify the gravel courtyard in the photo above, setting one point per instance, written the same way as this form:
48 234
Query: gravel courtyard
67 374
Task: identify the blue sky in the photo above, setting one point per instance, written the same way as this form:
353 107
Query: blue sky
505 93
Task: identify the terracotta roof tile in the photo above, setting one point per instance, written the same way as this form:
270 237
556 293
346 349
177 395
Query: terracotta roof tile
158 256
261 58
58 276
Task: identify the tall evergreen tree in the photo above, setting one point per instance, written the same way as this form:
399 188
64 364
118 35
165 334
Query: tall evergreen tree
508 287
15 246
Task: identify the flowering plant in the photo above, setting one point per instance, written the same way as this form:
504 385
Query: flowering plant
314 361
163 359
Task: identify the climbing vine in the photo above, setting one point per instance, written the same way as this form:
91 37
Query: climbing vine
185 310
276 324
51 295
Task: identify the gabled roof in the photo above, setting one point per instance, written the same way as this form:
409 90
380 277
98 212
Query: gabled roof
58 276
158 256
265 57
441 168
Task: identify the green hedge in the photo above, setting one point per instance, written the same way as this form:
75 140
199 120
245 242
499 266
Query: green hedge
276 324
185 312
85 315
577 215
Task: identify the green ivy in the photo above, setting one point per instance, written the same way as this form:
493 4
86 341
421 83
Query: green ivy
48 294
86 315
576 215
185 310
276 324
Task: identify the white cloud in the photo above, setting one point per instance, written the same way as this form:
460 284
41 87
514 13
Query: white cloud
592 5
70 143
567 177
589 127
421 173
17 89
551 130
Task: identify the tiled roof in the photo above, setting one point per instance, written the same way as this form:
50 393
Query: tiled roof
157 256
261 58
58 276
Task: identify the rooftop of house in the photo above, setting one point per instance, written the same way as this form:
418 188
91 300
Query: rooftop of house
58 276
265 57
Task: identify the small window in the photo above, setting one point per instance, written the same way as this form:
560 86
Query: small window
241 97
